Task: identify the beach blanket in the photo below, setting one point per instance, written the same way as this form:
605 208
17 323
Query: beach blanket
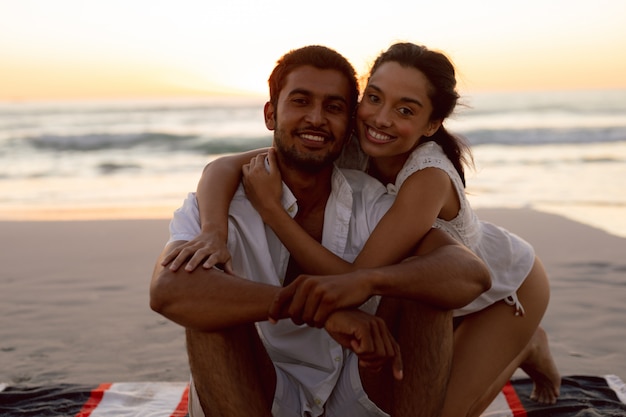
581 396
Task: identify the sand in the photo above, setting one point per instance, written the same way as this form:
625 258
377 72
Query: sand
74 299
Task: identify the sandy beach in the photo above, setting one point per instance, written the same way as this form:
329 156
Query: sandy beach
74 299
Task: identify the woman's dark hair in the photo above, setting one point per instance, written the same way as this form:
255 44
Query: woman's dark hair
440 73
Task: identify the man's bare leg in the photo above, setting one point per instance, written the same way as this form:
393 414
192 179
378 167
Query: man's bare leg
425 336
232 372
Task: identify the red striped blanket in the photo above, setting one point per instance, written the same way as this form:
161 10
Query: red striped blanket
580 396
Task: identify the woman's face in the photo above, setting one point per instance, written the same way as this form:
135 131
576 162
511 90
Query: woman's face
394 112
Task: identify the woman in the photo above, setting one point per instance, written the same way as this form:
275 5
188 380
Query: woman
409 94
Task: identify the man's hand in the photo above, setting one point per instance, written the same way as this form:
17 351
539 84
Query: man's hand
368 337
312 299
207 246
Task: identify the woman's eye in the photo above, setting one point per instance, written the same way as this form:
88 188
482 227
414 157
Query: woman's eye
405 111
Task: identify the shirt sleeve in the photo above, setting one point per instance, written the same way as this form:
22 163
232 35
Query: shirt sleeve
185 225
377 205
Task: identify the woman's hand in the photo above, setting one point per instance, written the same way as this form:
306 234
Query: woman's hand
264 188
208 246
312 299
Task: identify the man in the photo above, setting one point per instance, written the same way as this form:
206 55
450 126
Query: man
390 355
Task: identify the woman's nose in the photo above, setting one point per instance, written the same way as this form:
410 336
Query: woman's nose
383 117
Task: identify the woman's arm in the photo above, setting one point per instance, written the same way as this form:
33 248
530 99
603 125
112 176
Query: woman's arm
422 197
264 190
219 181
442 272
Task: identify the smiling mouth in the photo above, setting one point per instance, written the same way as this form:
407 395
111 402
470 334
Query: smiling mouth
376 136
313 138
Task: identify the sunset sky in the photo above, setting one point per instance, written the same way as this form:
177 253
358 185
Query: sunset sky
78 49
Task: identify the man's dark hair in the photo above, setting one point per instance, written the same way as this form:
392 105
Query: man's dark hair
316 56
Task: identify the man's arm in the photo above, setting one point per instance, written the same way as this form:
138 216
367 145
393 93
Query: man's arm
207 300
210 300
443 273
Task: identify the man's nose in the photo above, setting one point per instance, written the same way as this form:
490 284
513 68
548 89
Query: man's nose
316 115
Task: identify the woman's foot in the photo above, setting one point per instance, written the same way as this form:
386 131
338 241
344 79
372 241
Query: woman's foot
540 366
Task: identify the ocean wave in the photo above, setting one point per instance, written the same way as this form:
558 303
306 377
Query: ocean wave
151 142
230 145
541 136
100 141
112 167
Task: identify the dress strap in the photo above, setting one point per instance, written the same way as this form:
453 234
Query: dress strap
512 300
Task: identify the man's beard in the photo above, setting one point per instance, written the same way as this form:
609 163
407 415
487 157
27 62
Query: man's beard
304 161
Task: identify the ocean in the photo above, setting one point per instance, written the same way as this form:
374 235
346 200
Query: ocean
562 152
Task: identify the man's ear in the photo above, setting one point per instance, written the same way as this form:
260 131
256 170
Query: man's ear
269 112
433 126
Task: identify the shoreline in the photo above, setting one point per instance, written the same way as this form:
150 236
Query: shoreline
74 306
28 213
87 213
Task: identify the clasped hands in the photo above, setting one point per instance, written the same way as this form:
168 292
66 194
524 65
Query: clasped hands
331 302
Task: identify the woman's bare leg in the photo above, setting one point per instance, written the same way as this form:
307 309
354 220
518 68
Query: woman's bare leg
491 344
539 364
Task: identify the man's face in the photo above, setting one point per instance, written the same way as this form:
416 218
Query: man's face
311 118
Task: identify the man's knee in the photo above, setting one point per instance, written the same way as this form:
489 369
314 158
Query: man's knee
404 310
231 344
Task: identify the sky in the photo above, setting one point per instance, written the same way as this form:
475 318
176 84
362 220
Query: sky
84 49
